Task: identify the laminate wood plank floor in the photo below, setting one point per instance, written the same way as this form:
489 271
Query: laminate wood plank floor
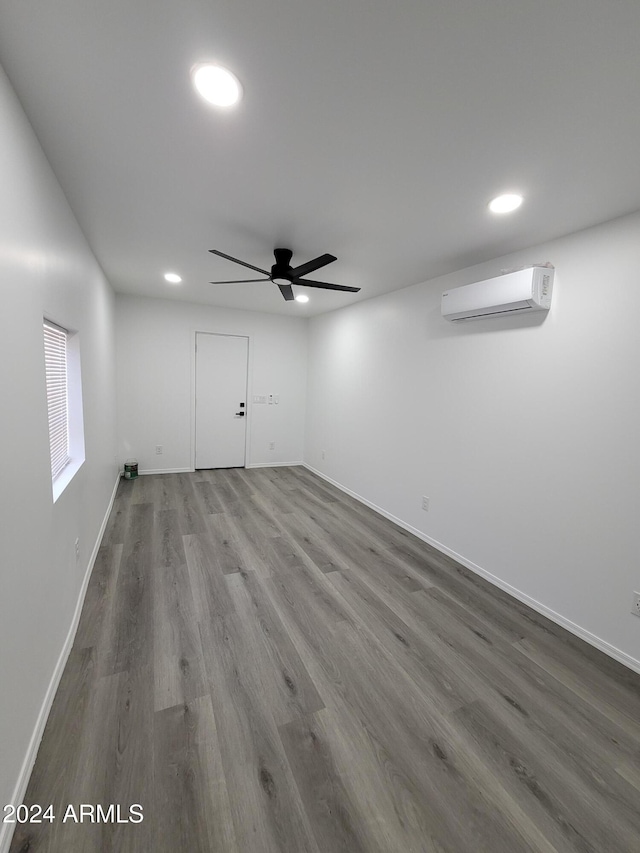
267 666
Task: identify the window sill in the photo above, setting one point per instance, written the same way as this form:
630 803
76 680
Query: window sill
65 477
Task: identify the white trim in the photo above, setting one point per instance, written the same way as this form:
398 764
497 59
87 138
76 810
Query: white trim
274 464
7 829
66 476
192 470
577 630
166 471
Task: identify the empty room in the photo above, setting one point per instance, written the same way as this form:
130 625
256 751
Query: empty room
320 410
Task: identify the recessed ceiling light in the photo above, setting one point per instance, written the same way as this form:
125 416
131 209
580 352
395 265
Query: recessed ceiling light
217 85
505 203
172 278
302 297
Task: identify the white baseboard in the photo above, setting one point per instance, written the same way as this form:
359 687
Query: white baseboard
7 829
192 470
166 471
273 464
577 630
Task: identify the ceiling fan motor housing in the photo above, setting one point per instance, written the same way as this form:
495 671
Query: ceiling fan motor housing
282 266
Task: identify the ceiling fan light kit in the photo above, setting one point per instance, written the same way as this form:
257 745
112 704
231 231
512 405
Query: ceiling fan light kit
284 275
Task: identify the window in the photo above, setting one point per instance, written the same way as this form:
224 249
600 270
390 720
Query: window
55 360
64 404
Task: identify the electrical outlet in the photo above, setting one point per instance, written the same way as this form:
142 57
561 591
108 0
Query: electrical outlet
272 445
636 604
425 503
158 449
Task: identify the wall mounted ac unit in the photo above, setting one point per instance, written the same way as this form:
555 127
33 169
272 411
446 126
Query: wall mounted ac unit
516 292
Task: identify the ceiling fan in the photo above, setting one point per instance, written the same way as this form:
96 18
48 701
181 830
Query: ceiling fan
284 275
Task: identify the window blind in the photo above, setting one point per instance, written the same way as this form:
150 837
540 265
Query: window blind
55 358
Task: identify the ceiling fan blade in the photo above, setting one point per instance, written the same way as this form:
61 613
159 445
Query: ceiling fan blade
286 291
240 281
315 264
236 261
325 285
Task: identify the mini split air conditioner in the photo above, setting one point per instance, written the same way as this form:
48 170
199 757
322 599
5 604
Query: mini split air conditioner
516 292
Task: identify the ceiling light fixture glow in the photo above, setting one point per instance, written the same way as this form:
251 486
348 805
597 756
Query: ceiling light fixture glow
172 278
302 297
279 280
506 203
217 85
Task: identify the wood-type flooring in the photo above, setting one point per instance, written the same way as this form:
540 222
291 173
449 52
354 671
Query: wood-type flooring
265 665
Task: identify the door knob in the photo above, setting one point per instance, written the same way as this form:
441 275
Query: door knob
240 414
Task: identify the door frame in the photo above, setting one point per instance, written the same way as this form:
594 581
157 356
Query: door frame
192 349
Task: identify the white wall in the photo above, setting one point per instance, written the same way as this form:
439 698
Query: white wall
47 268
155 357
522 431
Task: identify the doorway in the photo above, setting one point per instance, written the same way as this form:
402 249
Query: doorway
221 400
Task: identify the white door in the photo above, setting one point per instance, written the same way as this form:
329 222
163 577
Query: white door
221 397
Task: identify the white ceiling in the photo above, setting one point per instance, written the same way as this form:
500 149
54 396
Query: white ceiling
372 130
